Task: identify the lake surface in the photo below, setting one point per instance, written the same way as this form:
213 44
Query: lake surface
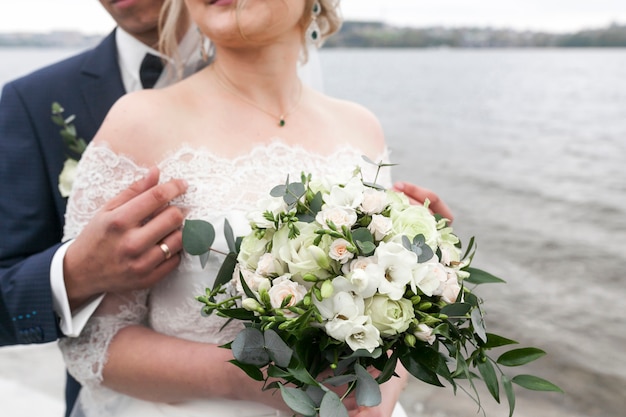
528 148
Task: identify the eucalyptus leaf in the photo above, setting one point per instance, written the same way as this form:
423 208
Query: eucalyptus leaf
229 236
535 383
339 380
332 406
316 203
279 190
367 389
298 401
517 357
204 258
278 350
249 347
198 236
302 375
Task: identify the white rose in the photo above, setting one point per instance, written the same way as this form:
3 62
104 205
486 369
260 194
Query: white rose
361 262
413 221
398 264
380 226
425 333
299 255
374 201
340 216
253 280
251 250
339 251
266 265
282 287
390 317
67 177
350 195
358 333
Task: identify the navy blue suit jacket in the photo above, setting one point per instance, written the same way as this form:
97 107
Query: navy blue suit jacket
32 154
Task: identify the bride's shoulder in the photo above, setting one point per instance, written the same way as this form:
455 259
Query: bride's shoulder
355 122
134 121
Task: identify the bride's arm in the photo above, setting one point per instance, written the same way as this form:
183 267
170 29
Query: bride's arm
155 367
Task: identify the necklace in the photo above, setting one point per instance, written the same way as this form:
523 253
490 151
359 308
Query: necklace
231 89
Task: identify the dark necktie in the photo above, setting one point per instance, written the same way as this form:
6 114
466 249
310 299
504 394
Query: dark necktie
150 70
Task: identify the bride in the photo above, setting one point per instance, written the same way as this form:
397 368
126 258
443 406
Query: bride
231 132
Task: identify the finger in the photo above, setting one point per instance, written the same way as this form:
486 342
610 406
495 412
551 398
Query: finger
420 195
150 180
161 270
167 221
144 205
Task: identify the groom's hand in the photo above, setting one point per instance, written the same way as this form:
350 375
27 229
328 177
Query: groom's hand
131 243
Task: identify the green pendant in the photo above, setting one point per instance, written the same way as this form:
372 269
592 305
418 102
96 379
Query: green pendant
281 122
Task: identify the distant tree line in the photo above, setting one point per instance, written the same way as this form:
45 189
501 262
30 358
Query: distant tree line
380 35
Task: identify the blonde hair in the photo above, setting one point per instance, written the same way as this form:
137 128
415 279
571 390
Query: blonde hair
175 18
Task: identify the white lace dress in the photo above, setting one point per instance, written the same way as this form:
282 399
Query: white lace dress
218 188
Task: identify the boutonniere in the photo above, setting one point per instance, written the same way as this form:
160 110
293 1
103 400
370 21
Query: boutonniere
75 145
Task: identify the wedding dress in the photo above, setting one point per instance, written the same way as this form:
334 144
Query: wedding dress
218 188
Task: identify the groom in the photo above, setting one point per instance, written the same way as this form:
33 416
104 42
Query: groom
49 289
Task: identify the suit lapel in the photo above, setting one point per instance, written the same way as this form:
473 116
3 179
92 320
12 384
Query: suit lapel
101 81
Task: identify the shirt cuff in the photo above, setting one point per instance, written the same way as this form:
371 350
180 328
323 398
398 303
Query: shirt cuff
71 324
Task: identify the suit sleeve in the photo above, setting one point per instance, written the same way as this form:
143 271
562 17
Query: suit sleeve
30 229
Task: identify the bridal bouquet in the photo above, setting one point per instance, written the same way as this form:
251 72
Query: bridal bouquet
341 279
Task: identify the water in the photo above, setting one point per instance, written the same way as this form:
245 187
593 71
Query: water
528 148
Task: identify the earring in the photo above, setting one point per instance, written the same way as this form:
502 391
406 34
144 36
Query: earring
313 32
206 47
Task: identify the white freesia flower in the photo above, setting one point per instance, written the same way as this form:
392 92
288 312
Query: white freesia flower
282 287
398 264
450 288
365 282
429 277
374 201
390 317
358 333
380 226
339 251
67 177
349 195
343 303
340 216
425 333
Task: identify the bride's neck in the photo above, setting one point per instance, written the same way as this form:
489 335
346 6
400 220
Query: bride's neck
266 75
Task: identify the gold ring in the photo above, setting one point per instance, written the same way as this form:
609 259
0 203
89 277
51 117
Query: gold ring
166 250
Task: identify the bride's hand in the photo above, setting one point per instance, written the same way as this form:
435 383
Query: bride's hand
418 195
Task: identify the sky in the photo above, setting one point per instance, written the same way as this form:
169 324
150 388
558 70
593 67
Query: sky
544 15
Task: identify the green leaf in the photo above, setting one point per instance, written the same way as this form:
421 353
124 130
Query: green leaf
367 389
339 380
251 370
366 248
332 406
225 274
491 380
510 394
419 371
479 324
279 190
517 357
478 276
278 350
297 400
198 236
535 383
229 236
456 309
302 375
249 347
493 341
316 203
